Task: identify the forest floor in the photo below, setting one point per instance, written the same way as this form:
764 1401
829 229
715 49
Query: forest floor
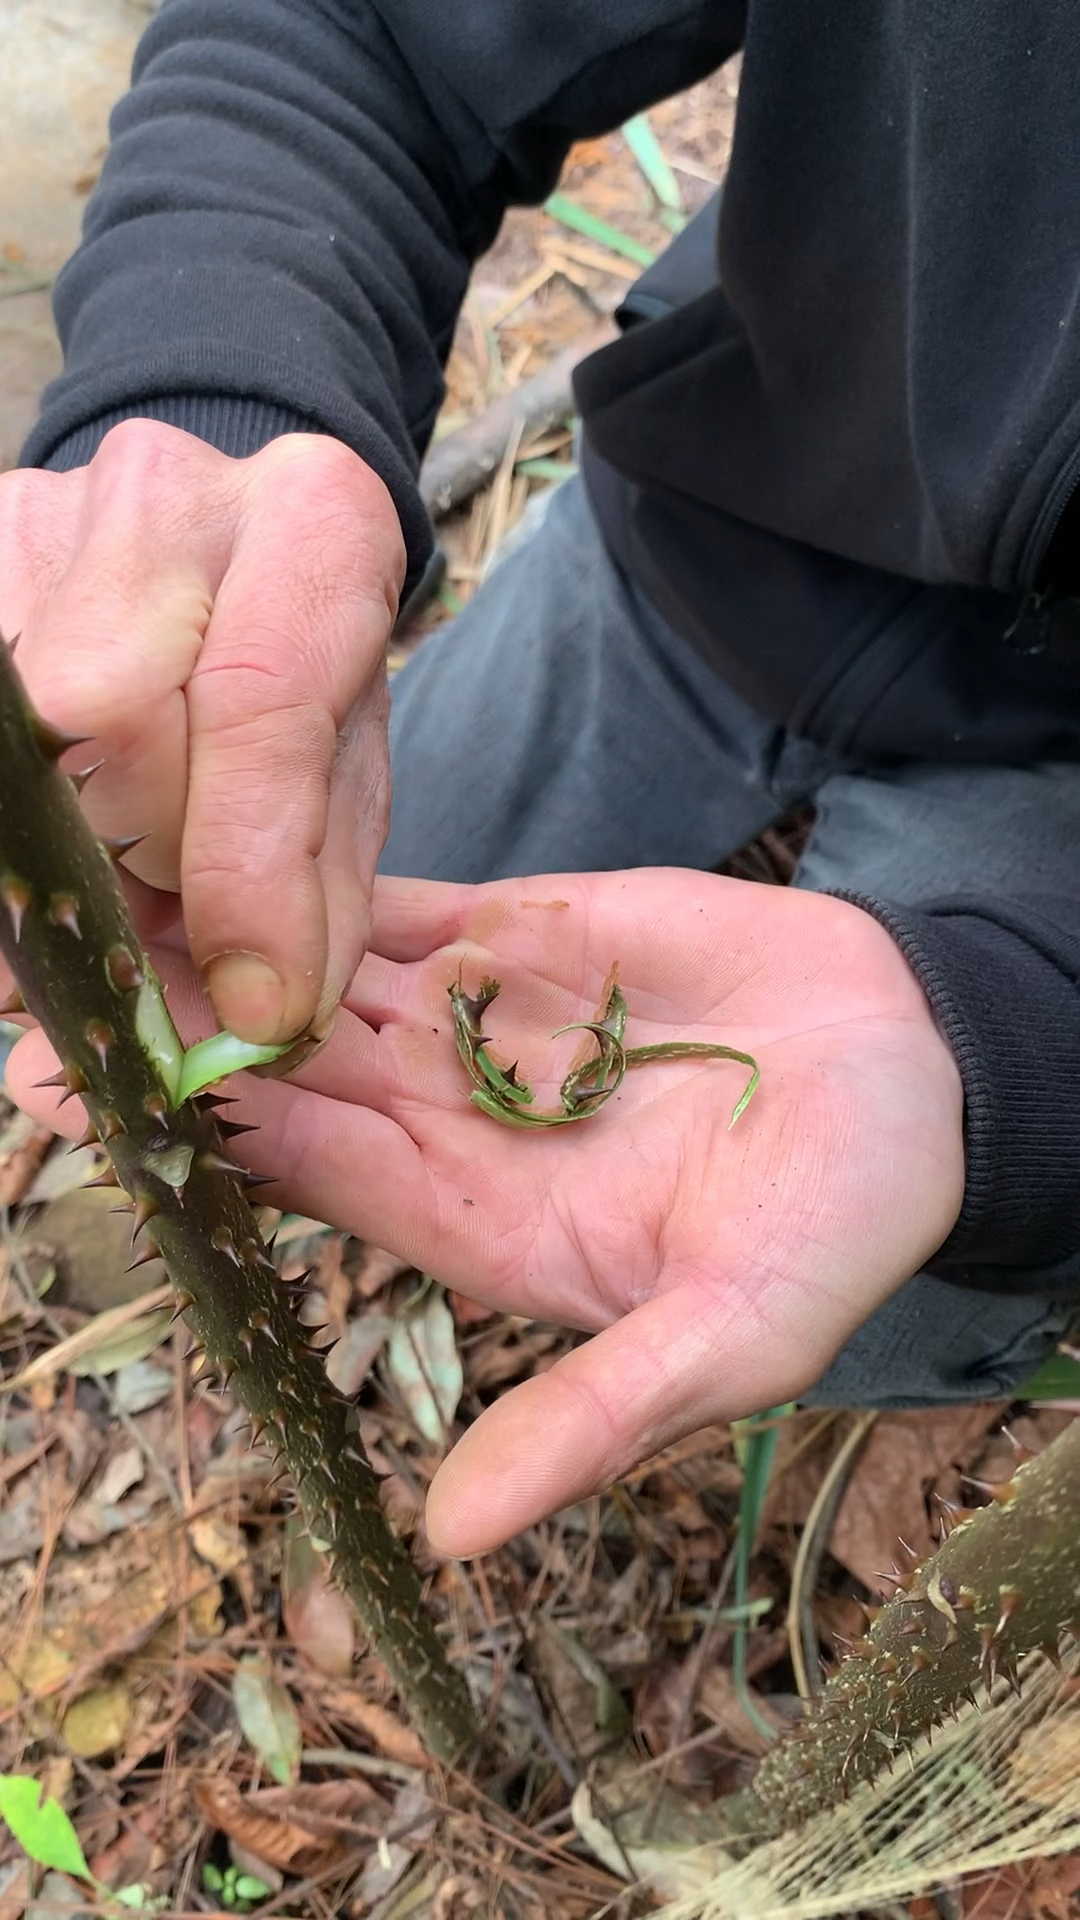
174 1666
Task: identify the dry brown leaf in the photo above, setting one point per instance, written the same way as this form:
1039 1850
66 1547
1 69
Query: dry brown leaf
283 1841
378 1270
323 1808
382 1727
15 1892
718 1700
352 1357
319 1619
904 1458
22 1150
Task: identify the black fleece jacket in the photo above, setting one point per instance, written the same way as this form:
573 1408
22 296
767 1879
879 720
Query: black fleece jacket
884 369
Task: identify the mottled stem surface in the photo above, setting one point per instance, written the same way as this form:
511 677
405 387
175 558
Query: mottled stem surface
67 935
1004 1583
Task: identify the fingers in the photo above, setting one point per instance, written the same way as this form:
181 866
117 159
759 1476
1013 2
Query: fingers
114 591
274 878
411 918
219 627
414 917
673 1365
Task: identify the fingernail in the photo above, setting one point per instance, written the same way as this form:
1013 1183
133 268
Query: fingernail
305 1048
249 995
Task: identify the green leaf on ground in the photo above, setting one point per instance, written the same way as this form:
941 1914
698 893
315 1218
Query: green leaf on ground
268 1719
41 1827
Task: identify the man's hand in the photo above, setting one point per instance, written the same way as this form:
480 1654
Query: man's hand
720 1271
219 628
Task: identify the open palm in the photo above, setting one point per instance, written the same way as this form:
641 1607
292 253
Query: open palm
721 1270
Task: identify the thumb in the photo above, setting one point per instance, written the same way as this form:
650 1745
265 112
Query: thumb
682 1361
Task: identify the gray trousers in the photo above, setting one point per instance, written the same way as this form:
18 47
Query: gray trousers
559 725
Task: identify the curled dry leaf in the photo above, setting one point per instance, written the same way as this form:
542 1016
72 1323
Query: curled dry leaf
300 1830
383 1728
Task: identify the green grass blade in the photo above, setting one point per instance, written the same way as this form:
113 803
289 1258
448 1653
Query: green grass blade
645 147
755 1444
579 220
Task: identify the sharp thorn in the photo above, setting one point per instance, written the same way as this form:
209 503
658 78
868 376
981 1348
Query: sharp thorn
1023 1453
184 1300
116 848
213 1162
123 969
79 780
144 1209
13 1004
1000 1490
15 895
232 1129
100 1037
149 1252
89 1137
63 912
70 1079
110 1178
51 741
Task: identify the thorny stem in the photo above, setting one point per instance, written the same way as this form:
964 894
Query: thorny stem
67 935
1005 1583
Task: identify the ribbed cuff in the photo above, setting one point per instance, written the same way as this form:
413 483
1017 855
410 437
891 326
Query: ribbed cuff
236 427
1002 980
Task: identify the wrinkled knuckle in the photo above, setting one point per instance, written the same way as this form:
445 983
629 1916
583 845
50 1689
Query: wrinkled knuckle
145 458
327 484
314 460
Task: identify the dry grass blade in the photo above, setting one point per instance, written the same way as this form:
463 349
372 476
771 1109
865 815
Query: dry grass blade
102 1328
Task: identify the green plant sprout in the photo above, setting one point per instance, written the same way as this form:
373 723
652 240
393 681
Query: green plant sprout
238 1892
44 1832
498 1092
